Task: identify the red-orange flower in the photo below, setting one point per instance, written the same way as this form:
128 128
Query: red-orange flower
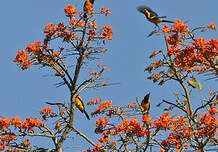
146 119
108 32
2 145
97 147
4 123
23 59
175 140
16 122
46 110
92 24
50 29
181 27
75 22
163 122
166 29
174 39
106 12
73 36
30 123
212 110
103 140
106 104
102 121
94 101
92 33
132 105
211 26
70 10
26 142
131 128
172 50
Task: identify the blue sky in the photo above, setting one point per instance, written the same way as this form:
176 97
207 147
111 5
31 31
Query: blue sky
24 93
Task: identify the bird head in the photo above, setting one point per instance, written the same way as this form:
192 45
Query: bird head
142 9
92 1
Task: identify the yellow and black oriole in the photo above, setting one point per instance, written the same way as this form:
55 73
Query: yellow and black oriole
151 15
80 106
88 6
145 104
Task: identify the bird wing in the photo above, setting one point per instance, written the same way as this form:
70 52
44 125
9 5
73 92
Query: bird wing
142 8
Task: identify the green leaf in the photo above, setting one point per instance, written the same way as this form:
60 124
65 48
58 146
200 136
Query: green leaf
200 86
192 83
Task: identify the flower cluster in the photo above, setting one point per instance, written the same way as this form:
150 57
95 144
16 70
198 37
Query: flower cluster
92 24
132 128
94 101
211 26
105 11
146 119
72 32
59 126
53 31
47 112
128 128
6 134
199 56
101 123
132 105
163 122
207 123
76 23
30 123
70 10
23 59
185 53
34 54
182 131
108 32
196 56
103 106
26 142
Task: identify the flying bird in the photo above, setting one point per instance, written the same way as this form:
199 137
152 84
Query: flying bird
152 16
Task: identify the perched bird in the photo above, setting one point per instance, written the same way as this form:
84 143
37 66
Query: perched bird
80 106
151 15
145 104
87 8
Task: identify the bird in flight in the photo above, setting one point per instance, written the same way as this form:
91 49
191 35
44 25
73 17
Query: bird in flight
152 16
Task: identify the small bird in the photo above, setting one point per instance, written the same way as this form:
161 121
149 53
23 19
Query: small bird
87 8
80 106
151 15
145 104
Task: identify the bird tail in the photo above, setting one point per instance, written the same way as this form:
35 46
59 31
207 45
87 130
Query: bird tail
162 17
167 21
87 116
